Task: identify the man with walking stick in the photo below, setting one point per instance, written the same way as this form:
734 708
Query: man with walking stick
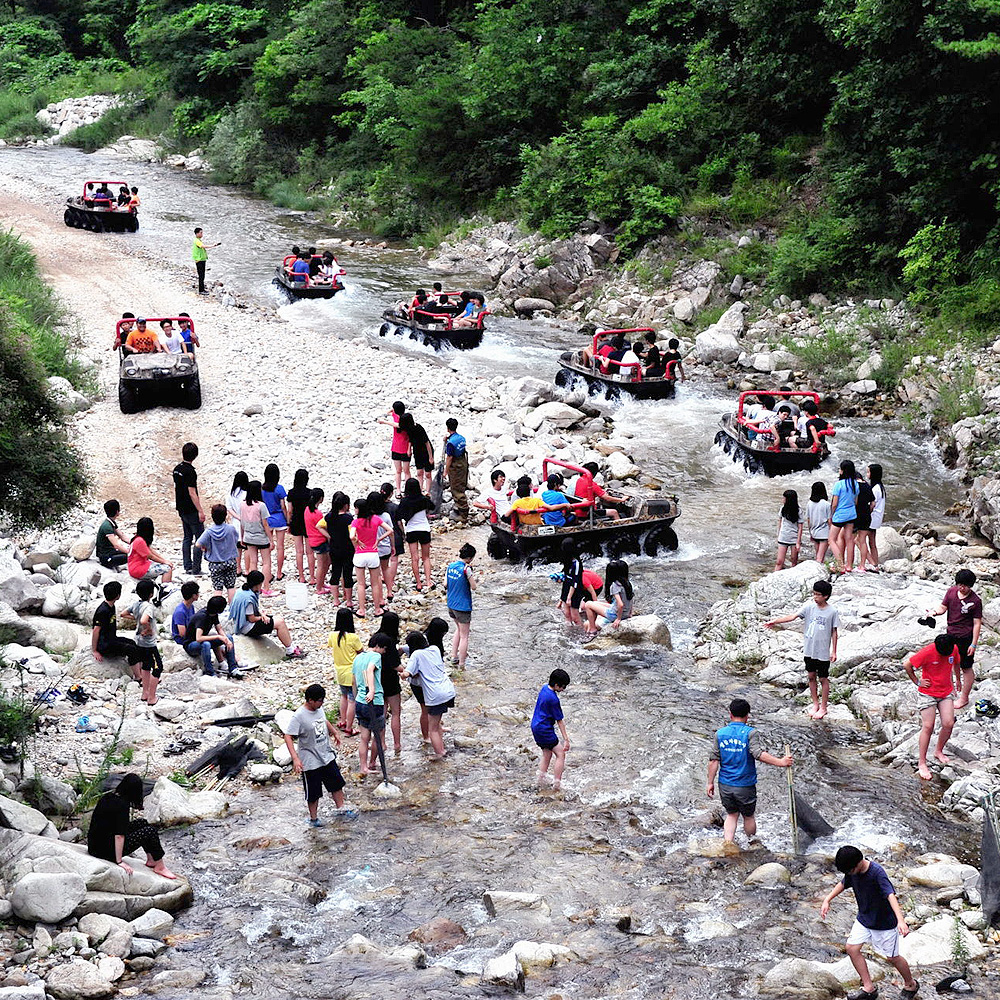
733 760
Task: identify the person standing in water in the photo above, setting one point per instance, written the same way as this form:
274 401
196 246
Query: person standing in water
734 756
199 254
547 715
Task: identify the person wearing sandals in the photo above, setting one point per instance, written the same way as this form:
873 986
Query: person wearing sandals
314 758
346 645
274 496
391 688
144 562
433 642
411 515
143 613
113 834
337 525
366 531
255 533
369 702
218 542
880 920
298 499
877 515
460 584
387 554
426 663
250 621
618 587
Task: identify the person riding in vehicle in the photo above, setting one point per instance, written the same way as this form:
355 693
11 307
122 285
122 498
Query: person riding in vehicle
470 317
141 340
300 269
586 488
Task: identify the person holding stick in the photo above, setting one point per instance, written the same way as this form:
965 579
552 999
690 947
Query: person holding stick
733 760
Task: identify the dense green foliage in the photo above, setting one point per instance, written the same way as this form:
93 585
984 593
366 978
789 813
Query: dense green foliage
40 474
860 127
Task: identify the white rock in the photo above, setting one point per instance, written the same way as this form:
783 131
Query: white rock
559 415
770 875
410 955
169 804
48 898
62 601
941 874
539 954
97 926
20 817
799 979
83 548
864 387
504 970
78 980
933 943
153 923
684 309
111 968
620 466
498 901
166 708
261 773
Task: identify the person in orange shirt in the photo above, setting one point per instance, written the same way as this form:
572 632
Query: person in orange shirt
587 489
141 340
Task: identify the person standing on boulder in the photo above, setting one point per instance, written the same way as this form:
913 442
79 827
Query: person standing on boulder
880 920
936 663
113 833
964 608
733 759
199 254
189 509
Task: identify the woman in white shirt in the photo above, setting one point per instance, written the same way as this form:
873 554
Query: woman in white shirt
234 501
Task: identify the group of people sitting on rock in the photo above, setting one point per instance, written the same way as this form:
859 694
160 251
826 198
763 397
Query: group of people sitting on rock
134 338
789 425
103 197
465 309
642 359
310 267
556 505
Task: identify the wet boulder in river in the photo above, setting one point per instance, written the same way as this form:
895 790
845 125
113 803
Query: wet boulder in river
799 979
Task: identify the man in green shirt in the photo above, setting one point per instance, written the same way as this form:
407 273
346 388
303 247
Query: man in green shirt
112 546
199 254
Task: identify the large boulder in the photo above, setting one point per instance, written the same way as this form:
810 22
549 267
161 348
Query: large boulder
97 926
47 898
526 306
559 415
17 816
62 600
771 875
168 804
54 634
720 341
939 874
19 591
153 923
78 980
50 794
934 942
891 544
799 979
641 628
14 625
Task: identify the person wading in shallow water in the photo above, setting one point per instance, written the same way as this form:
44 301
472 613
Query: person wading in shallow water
737 748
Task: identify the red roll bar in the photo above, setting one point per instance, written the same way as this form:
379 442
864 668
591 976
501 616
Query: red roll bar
149 319
780 394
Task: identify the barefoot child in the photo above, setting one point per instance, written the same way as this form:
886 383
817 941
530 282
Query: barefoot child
818 517
936 695
315 759
880 920
821 623
548 715
369 700
143 614
318 539
789 530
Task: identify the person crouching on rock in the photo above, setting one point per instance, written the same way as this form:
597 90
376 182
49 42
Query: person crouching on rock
113 833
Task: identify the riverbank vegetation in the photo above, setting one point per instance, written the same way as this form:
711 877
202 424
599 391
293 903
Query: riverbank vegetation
855 129
41 477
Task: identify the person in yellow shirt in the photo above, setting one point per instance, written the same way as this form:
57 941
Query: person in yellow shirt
199 254
528 506
346 645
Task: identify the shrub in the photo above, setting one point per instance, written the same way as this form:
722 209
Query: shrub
932 260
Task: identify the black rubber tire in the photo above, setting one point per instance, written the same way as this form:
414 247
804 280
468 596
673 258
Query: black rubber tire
127 401
564 378
660 538
496 547
192 395
383 330
68 217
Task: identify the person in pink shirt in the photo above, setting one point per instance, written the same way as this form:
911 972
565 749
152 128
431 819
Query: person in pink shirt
400 448
367 530
141 555
319 542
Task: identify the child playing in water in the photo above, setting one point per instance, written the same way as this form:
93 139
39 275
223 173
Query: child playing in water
789 530
548 714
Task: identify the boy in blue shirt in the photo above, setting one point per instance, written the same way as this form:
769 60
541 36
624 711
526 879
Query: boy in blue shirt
560 512
737 748
880 920
460 584
548 714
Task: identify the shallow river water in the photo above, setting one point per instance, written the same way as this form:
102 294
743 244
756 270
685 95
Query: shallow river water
640 720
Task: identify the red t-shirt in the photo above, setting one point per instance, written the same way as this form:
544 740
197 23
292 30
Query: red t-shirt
138 558
367 530
591 579
936 669
587 489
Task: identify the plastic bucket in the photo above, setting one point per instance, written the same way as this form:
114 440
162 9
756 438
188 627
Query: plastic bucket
296 596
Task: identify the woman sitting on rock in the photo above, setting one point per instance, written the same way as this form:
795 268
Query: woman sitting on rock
113 833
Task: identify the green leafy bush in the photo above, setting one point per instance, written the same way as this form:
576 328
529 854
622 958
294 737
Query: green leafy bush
932 259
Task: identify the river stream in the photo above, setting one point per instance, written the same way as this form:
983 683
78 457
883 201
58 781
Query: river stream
640 720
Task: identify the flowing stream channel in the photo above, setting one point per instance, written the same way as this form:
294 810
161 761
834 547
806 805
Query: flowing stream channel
624 834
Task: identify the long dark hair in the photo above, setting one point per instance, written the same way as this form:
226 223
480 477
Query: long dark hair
570 554
301 480
240 481
376 504
315 499
437 629
271 477
617 572
790 508
850 474
130 789
818 492
362 509
412 489
390 625
253 493
344 623
338 502
875 477
144 530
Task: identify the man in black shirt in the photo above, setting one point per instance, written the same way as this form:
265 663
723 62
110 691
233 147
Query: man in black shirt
189 509
105 640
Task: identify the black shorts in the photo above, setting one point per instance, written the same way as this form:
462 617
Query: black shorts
423 462
545 742
150 660
342 568
370 716
863 523
400 456
328 776
114 562
578 592
442 708
740 799
418 692
963 643
821 668
121 647
420 537
322 549
257 629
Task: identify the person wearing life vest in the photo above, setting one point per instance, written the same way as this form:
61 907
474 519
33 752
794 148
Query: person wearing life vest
733 760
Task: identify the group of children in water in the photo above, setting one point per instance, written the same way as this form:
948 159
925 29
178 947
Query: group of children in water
464 309
846 524
104 197
617 356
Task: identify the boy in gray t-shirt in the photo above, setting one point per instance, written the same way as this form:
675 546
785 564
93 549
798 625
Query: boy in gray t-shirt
314 759
821 623
143 612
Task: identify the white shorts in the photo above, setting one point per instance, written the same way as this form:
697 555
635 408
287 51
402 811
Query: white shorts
366 560
884 942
